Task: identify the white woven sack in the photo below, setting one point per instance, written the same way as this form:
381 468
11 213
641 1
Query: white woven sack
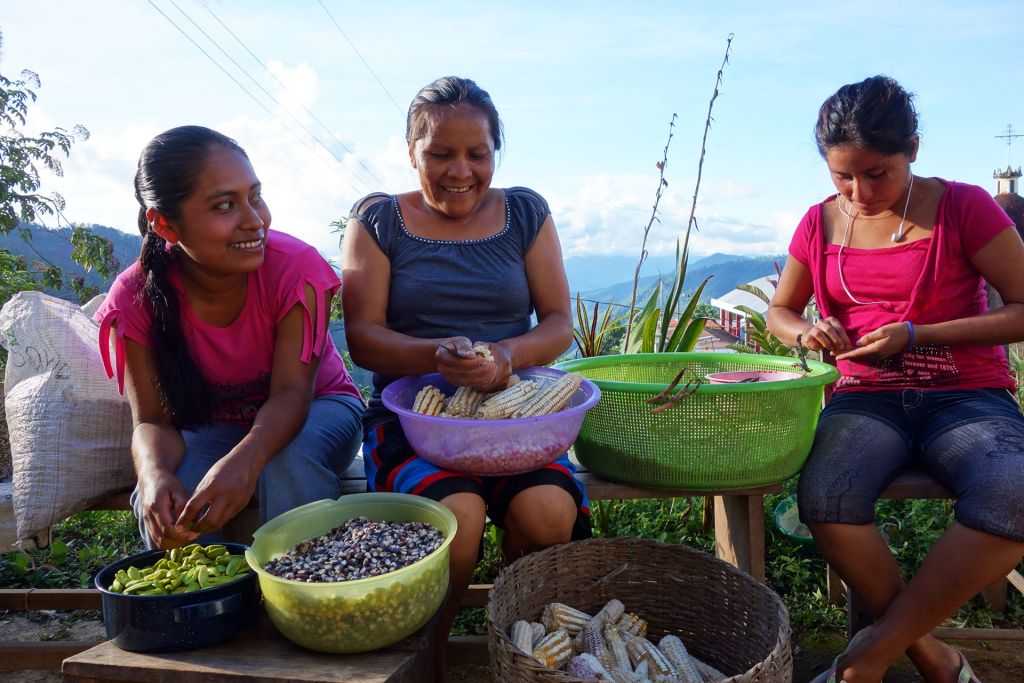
70 431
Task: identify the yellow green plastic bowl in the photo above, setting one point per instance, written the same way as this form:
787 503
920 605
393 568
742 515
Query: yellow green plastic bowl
360 615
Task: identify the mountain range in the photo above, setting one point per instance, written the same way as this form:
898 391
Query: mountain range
596 278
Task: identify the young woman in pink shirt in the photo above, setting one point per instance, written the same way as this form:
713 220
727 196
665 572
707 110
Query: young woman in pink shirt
897 264
220 339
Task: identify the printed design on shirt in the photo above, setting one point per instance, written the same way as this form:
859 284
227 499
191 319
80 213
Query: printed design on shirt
921 366
240 402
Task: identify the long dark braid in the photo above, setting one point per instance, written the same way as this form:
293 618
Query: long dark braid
166 175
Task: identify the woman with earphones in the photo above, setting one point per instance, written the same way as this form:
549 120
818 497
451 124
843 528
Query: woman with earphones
897 265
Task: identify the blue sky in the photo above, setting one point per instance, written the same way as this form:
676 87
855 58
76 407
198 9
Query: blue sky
586 91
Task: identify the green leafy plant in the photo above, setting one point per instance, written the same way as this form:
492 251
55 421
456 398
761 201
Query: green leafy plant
21 158
592 329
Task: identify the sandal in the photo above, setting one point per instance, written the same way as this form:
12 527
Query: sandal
966 675
829 675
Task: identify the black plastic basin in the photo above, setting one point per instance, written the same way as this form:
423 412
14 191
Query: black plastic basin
168 623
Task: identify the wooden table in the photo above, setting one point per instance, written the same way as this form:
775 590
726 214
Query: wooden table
257 654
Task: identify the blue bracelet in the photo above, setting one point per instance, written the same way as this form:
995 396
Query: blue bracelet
910 327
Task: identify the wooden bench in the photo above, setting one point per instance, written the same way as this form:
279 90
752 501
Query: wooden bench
739 539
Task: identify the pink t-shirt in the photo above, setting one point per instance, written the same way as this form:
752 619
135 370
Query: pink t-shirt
926 281
237 360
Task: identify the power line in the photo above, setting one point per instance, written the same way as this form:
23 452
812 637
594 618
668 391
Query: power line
286 88
270 95
338 26
236 82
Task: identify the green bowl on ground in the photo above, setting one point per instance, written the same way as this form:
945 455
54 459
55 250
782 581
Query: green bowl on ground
787 520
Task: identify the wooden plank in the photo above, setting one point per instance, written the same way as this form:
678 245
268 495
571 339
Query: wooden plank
467 650
739 533
39 655
603 489
951 633
1016 580
996 596
258 655
34 599
598 488
915 484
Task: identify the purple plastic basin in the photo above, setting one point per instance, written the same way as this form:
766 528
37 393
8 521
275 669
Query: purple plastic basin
489 447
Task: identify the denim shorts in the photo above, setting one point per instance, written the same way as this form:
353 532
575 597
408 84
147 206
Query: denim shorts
309 468
971 441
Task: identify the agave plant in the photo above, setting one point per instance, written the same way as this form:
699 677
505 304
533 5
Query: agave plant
652 325
590 332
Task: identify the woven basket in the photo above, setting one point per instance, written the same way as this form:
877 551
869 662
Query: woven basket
723 436
725 617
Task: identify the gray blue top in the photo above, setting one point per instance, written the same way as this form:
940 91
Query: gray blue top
445 288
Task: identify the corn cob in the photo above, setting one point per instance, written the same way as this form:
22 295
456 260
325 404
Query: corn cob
675 651
606 658
464 402
608 614
484 352
620 675
554 649
617 646
632 624
429 401
538 632
504 403
588 668
556 616
522 636
643 670
708 673
552 398
590 640
665 678
643 650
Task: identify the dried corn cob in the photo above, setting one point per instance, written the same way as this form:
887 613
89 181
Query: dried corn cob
665 678
464 402
617 646
522 636
675 651
643 670
608 614
620 675
708 673
554 649
643 650
588 668
552 398
538 632
556 616
632 624
590 640
429 401
484 352
504 403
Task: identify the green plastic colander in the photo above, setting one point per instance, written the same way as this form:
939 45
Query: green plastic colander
723 436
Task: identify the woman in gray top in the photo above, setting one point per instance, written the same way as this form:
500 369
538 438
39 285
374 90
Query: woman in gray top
457 262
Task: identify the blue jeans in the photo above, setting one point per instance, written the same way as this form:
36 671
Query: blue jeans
307 469
971 441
